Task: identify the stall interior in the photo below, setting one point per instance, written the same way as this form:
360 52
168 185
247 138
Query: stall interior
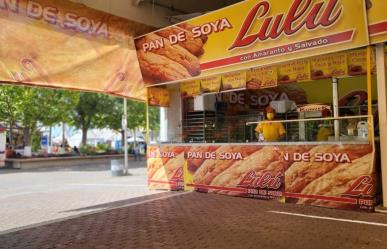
232 117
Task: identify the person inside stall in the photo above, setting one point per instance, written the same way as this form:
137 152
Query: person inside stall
270 132
325 128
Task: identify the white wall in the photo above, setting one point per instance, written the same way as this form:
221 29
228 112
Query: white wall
144 13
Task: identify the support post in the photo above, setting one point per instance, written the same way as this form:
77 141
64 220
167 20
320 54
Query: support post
125 128
335 91
382 110
147 120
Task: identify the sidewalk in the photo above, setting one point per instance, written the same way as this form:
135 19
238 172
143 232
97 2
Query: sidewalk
194 220
28 197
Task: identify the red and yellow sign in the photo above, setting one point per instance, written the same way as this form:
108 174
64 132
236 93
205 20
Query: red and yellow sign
327 66
294 71
330 175
357 62
211 84
251 33
234 80
377 20
67 45
261 77
165 167
190 88
158 96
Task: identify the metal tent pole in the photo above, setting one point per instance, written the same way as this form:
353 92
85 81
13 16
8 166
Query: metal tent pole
382 110
336 108
125 128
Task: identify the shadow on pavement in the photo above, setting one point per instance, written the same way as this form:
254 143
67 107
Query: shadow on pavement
117 204
79 168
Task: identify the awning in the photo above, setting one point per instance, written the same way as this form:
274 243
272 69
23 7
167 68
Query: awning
68 45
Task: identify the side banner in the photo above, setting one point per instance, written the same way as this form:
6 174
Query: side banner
377 20
165 167
68 45
251 33
336 176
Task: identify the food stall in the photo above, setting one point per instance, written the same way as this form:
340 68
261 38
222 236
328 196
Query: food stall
309 60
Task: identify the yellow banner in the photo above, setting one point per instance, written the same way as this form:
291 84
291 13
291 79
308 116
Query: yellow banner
261 77
67 45
190 88
233 80
377 20
357 62
251 33
327 66
158 96
211 84
295 71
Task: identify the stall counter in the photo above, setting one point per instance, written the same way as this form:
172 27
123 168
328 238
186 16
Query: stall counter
329 174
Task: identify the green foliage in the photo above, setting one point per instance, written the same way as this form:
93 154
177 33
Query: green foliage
91 112
103 148
31 108
28 107
36 140
87 150
154 118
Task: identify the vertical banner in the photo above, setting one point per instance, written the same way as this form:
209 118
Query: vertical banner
158 97
294 71
68 45
190 88
261 77
234 80
211 84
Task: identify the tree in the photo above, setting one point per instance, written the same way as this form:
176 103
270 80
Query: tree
10 106
91 111
30 106
154 119
135 113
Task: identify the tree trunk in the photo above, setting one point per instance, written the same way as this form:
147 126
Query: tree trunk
11 135
84 135
27 136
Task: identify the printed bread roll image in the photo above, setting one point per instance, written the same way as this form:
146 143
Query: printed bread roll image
176 53
166 173
154 164
159 68
338 181
268 159
300 174
176 150
213 167
193 45
194 164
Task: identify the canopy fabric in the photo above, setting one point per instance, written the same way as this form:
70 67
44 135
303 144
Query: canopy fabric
68 45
